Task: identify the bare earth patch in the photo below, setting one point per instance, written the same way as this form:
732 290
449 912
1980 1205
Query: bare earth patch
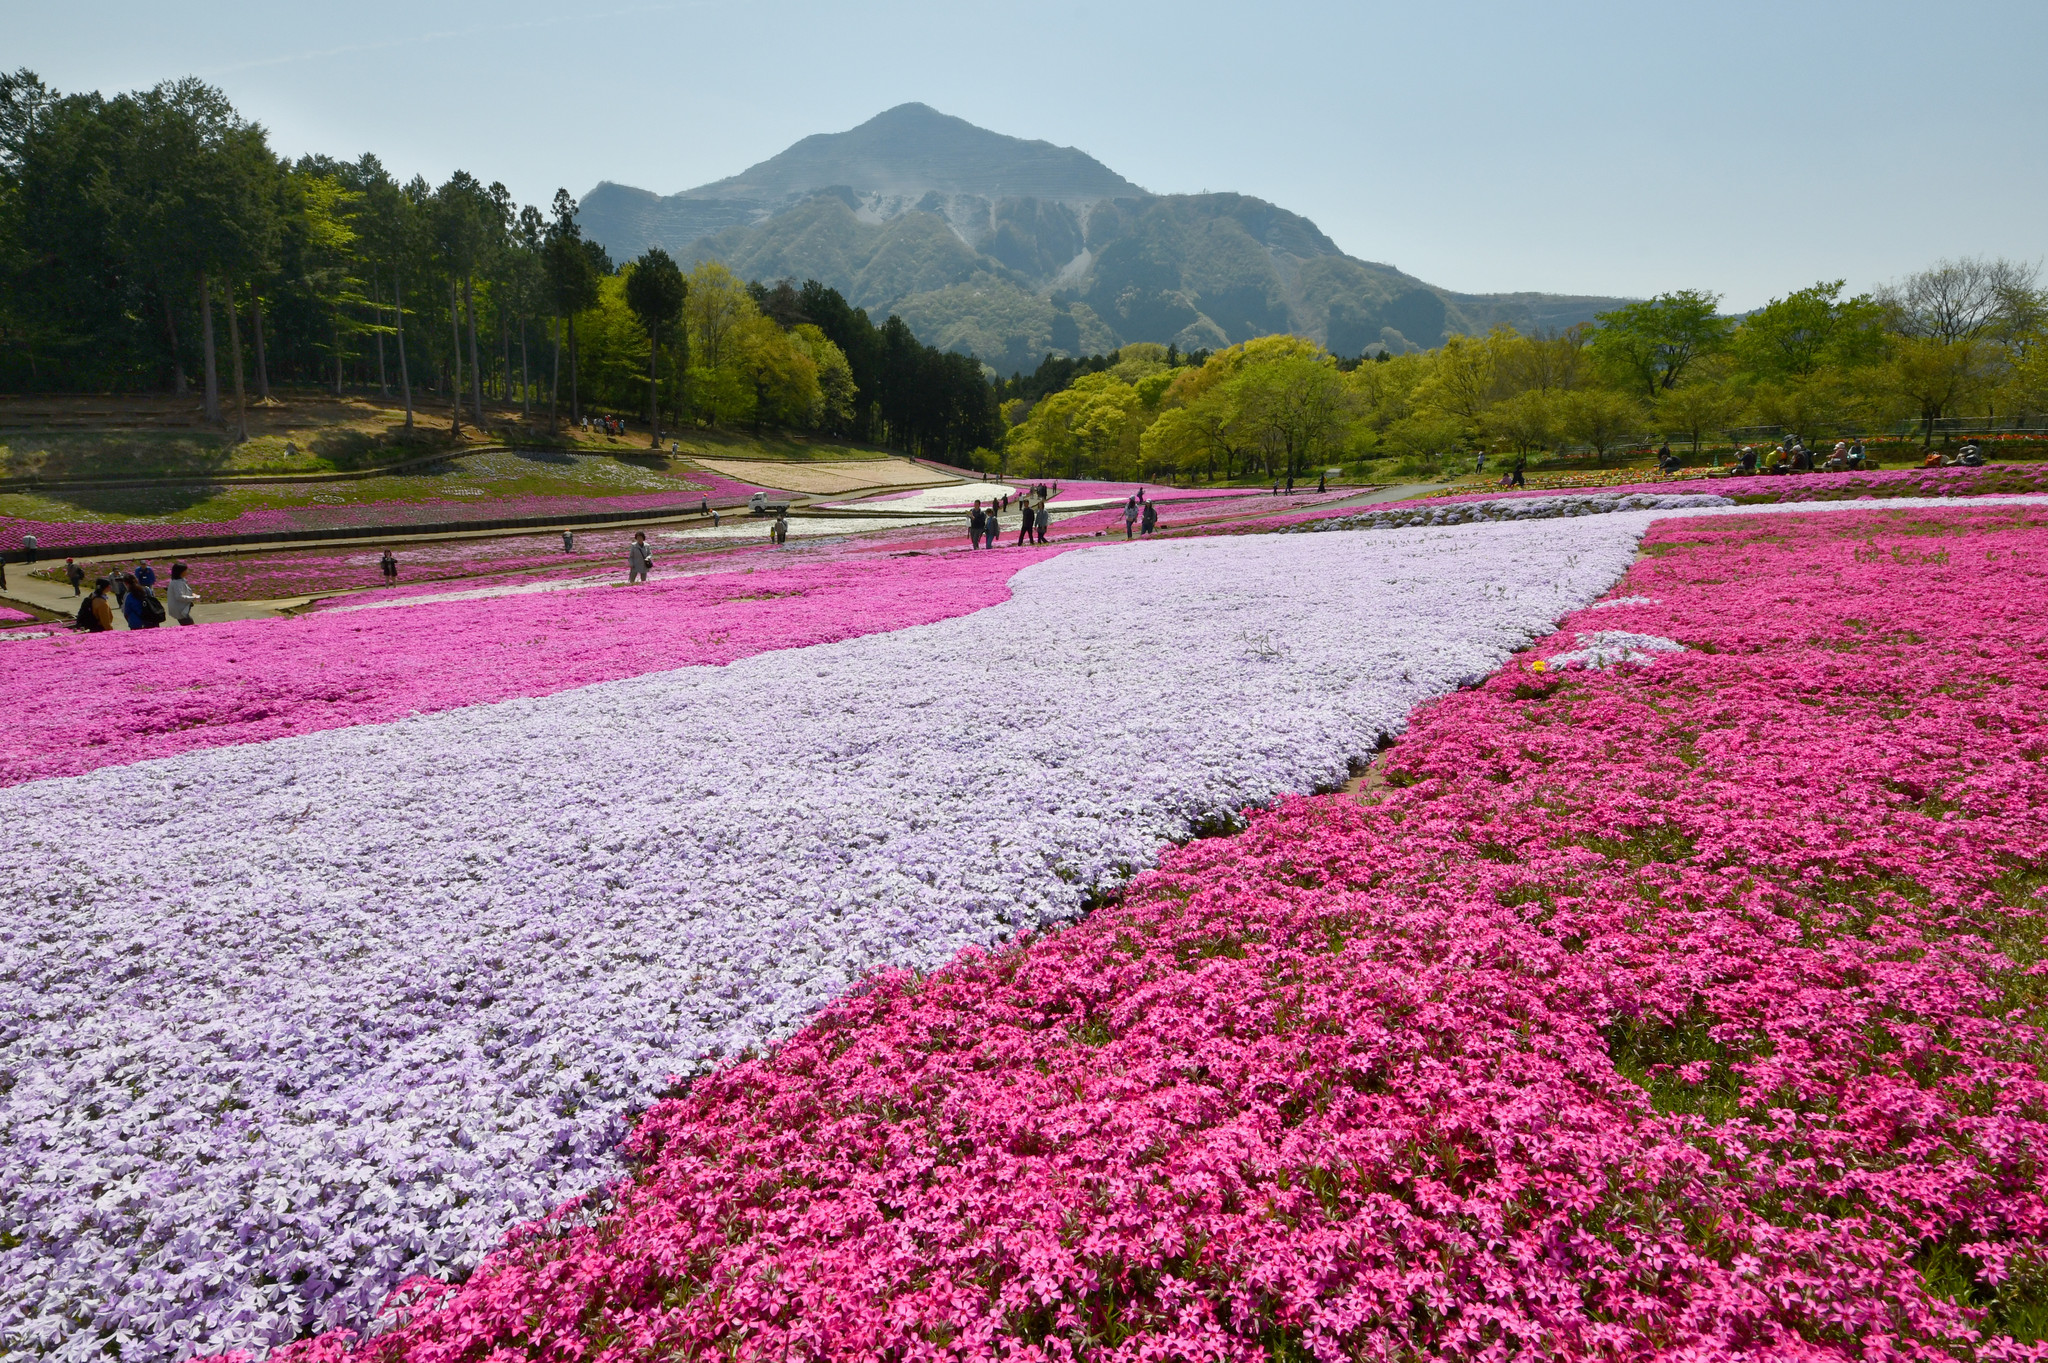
824 478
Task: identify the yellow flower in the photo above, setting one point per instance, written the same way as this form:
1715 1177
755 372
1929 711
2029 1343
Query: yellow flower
1539 666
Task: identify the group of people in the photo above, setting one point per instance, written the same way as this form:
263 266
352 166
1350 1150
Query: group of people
1138 511
133 594
1793 456
1968 455
605 425
985 527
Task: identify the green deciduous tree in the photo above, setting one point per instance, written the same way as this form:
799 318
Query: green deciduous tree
1599 417
1692 409
1651 344
1794 336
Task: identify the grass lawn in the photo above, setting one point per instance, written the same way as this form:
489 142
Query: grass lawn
151 436
480 477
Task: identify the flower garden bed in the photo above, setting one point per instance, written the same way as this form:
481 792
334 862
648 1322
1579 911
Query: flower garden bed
1990 479
85 701
366 996
1690 1009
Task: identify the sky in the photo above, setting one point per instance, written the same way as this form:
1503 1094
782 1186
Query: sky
1619 149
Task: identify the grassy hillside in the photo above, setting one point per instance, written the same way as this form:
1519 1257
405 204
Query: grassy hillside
152 437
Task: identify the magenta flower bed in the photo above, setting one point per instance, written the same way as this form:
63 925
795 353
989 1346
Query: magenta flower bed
60 537
1680 1010
79 702
1810 487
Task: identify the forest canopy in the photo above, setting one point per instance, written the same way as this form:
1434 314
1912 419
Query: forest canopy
144 236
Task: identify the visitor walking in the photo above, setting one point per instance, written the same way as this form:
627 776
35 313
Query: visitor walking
977 523
140 607
389 565
1521 464
780 532
181 596
992 526
1151 521
145 574
28 548
1130 515
74 574
1044 518
639 558
96 615
568 541
1323 479
1024 530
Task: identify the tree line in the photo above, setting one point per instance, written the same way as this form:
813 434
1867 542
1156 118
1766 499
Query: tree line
1960 340
152 241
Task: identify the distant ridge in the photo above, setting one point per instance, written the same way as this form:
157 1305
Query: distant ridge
1012 248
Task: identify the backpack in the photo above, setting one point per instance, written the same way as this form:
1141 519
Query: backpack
153 608
84 618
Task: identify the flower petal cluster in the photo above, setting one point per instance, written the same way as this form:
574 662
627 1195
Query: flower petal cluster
292 1020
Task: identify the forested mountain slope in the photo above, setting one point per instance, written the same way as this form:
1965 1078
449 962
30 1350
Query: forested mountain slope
1011 248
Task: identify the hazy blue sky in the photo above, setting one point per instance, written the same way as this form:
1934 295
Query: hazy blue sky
1748 148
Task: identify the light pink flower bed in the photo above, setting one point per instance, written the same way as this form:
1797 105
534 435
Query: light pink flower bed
1810 487
77 702
1689 1010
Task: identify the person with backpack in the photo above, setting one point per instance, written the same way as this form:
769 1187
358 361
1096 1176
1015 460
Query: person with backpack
96 614
639 558
74 574
389 566
1151 521
182 597
139 605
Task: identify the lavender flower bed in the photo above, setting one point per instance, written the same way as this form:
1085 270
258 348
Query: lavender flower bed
373 994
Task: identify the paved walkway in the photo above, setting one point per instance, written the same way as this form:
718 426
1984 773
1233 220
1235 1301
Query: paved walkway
56 597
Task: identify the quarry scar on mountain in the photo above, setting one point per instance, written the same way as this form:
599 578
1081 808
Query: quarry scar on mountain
1011 249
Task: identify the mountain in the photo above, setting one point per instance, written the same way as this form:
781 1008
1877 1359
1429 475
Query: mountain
1011 248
